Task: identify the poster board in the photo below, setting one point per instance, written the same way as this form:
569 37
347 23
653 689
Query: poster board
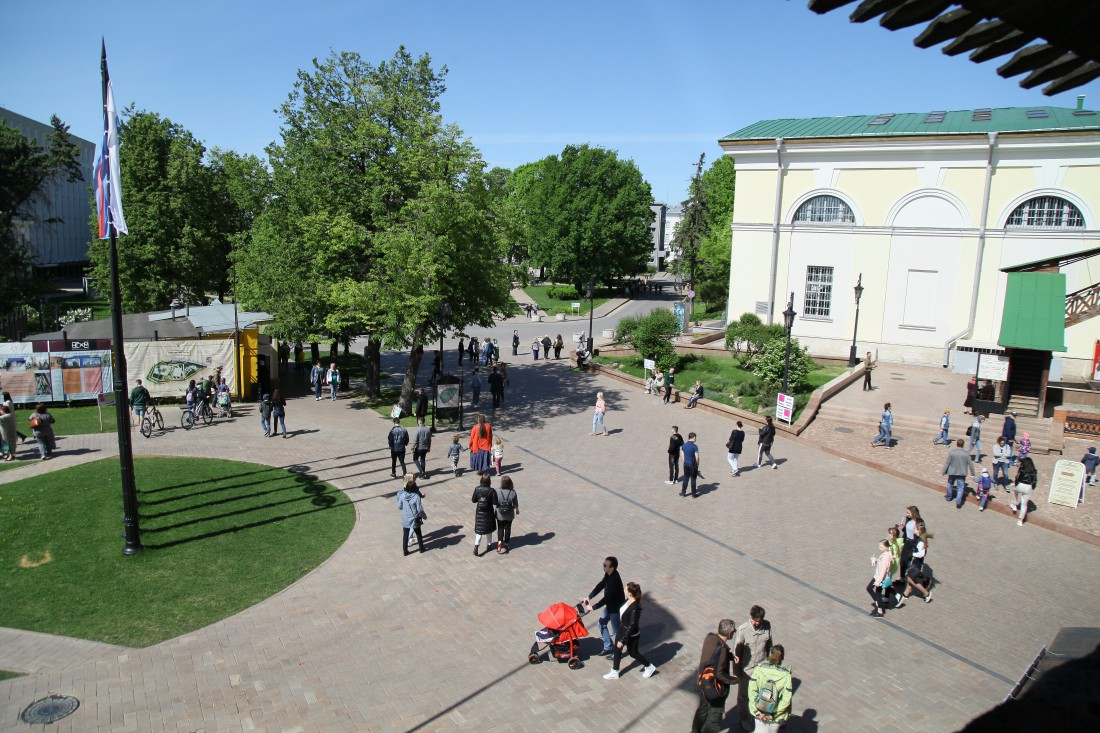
784 407
993 367
1065 483
53 376
649 364
166 367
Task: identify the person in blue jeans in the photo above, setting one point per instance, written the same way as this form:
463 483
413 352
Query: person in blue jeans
945 425
975 434
691 465
985 485
956 467
885 426
614 596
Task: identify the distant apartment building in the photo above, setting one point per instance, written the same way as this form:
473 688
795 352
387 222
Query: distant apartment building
57 232
673 215
657 235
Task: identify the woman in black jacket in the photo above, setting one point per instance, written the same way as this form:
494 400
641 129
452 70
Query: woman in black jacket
630 616
1026 480
485 516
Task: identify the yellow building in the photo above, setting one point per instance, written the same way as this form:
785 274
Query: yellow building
971 232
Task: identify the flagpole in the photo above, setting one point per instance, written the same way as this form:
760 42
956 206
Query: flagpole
131 526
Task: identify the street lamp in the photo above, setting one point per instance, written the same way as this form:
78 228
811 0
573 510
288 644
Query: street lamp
591 295
788 324
852 360
444 314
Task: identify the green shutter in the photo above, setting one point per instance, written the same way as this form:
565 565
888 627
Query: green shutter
1034 315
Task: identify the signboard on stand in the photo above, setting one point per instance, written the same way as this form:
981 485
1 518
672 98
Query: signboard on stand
649 364
784 408
1066 483
679 312
993 367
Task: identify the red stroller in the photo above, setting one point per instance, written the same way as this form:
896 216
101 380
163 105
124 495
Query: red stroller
562 630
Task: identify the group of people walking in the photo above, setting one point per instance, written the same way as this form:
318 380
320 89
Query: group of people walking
40 422
689 451
900 567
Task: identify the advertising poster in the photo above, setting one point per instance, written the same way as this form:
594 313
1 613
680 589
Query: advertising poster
784 407
56 376
1096 363
166 367
1066 482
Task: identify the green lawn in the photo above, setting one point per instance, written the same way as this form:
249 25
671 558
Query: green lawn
550 306
723 377
75 420
220 536
101 307
709 311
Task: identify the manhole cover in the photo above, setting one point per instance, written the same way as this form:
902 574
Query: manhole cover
940 383
844 430
49 709
898 379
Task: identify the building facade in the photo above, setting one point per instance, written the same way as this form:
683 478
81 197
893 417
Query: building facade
657 234
58 235
934 214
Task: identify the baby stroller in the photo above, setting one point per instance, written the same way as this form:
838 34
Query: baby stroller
562 630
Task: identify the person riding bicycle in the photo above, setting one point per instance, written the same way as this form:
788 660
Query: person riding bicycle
194 397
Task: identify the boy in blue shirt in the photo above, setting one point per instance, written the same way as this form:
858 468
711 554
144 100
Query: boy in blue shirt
691 465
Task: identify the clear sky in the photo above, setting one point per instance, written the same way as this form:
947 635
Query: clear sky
659 82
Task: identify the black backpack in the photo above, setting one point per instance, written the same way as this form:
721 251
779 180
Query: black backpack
707 682
504 501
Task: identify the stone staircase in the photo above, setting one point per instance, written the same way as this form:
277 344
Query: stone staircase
924 428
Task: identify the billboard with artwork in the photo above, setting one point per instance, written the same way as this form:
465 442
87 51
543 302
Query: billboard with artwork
166 367
31 376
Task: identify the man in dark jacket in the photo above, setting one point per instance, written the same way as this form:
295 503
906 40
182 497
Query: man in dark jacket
709 714
496 387
398 440
421 404
1008 432
733 448
614 596
675 443
957 465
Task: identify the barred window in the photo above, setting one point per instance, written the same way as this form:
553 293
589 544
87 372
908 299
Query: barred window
1046 212
825 210
818 298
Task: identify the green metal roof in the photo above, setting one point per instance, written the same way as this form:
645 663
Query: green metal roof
1034 315
961 122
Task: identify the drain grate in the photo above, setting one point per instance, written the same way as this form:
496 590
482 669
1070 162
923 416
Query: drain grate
939 383
898 379
844 430
49 709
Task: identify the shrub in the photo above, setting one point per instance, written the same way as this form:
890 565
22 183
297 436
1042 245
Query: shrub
563 292
650 337
626 327
768 366
747 334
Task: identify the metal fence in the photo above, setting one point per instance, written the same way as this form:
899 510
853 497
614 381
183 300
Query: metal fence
1082 424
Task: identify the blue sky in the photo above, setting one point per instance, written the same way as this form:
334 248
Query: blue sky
658 82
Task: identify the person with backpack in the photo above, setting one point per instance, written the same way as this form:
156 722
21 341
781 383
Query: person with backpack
771 692
398 441
751 645
507 509
733 448
974 432
411 503
41 423
713 679
485 517
278 413
265 414
630 614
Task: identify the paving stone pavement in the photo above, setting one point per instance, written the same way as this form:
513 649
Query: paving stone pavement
373 641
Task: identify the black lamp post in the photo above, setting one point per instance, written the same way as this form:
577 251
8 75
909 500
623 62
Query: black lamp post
788 323
591 295
444 313
852 360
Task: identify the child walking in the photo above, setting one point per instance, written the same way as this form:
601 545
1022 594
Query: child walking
453 452
498 453
985 483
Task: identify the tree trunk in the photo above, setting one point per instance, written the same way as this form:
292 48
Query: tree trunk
314 352
409 385
374 366
347 345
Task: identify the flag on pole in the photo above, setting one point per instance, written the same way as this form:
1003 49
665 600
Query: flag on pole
108 183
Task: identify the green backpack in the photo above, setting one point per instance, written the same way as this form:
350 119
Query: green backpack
767 697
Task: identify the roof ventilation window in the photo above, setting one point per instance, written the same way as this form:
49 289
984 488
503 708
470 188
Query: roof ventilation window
1084 112
1037 114
982 115
934 117
882 119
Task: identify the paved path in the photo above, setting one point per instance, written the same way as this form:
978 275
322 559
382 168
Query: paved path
372 641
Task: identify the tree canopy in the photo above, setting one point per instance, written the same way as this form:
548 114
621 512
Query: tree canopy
25 168
382 218
703 235
180 214
586 215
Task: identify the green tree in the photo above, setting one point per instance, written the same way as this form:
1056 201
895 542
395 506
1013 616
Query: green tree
651 334
179 225
382 218
712 273
585 215
25 168
693 227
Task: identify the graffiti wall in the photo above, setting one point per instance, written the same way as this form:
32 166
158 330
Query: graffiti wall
165 367
53 376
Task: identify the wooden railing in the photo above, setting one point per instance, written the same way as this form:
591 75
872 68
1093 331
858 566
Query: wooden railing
1083 305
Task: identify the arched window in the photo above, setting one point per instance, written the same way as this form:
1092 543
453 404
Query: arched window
825 210
1046 212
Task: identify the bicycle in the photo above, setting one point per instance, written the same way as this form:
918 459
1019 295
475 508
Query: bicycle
152 417
187 420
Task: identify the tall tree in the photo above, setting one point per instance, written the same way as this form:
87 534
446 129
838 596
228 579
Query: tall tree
712 274
586 215
179 239
693 227
25 168
375 202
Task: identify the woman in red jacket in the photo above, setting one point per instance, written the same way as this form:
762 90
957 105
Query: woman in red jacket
481 445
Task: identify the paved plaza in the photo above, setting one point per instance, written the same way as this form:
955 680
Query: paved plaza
373 641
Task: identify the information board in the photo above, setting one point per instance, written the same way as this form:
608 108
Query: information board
1066 482
784 408
649 364
993 366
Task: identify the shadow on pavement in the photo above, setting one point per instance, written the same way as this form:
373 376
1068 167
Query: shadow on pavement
530 539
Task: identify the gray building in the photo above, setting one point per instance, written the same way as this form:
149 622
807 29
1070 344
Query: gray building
657 234
673 216
59 245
